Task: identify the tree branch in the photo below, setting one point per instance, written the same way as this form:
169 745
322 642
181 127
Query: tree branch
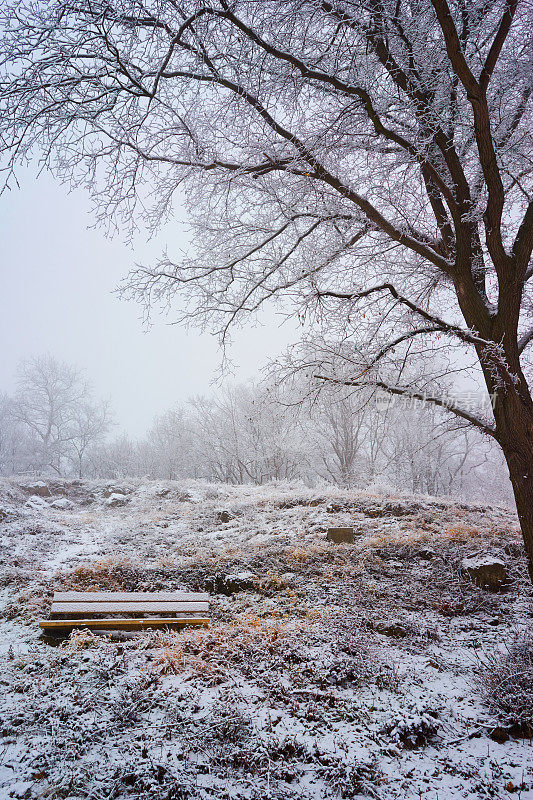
414 395
525 340
497 44
523 244
442 325
484 139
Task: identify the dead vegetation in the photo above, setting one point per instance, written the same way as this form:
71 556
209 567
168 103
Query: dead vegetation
507 682
329 671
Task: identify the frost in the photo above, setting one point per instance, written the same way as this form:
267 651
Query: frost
292 692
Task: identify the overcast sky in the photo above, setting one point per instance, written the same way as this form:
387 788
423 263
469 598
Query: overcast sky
58 276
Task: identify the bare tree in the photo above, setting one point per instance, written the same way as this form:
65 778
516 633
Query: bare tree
119 458
53 410
13 438
338 429
49 393
172 440
369 160
89 425
242 435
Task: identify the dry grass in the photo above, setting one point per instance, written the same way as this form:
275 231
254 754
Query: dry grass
507 682
209 653
279 657
108 574
462 533
84 640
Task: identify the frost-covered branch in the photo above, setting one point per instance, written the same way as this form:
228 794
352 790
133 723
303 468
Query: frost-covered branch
404 391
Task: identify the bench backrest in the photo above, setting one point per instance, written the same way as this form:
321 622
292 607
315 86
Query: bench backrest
96 603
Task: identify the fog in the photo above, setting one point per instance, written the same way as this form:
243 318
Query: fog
59 275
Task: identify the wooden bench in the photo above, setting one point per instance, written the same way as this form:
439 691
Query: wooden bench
131 611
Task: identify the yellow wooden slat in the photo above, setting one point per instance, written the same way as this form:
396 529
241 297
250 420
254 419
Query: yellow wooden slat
123 624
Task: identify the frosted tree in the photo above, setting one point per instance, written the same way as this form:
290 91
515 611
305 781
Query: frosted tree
49 394
89 425
54 412
171 440
13 438
368 161
242 435
337 431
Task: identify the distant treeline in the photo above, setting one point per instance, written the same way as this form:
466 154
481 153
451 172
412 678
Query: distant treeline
251 433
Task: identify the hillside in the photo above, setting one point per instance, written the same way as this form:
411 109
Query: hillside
372 669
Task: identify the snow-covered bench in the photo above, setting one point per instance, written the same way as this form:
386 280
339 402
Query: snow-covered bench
126 610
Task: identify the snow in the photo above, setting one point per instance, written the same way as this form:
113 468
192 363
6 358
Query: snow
293 691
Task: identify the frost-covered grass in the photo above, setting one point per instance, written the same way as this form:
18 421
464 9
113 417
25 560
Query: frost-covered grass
342 671
507 680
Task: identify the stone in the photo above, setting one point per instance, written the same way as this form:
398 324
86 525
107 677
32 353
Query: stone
426 554
36 502
394 629
39 488
223 516
117 499
487 571
7 513
231 583
335 508
240 582
110 490
62 504
340 535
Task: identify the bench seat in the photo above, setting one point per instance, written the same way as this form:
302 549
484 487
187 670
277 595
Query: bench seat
129 610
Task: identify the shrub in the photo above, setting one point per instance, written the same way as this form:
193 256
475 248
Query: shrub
507 682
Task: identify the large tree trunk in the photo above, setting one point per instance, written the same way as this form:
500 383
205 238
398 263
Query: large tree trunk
514 419
520 463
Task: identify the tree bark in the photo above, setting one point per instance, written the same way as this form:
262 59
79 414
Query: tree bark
515 434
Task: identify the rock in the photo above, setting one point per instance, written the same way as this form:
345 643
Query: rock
486 571
229 584
500 734
223 516
36 502
110 490
62 504
335 508
316 501
7 513
38 488
117 499
340 535
393 629
288 576
240 582
426 554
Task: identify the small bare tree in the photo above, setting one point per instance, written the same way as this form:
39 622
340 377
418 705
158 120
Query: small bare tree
369 159
54 413
89 425
172 442
338 430
48 395
13 438
243 436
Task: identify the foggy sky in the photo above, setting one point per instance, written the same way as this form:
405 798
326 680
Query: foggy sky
57 282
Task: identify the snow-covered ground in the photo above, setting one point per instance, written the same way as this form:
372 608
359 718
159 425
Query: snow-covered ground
329 671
